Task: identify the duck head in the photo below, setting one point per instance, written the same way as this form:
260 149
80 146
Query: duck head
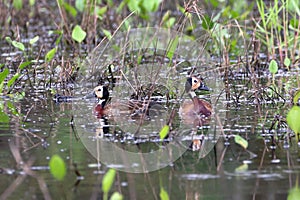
194 83
102 93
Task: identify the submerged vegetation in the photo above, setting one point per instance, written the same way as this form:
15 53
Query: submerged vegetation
255 46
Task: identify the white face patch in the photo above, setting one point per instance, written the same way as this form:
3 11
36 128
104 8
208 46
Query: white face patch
195 83
99 91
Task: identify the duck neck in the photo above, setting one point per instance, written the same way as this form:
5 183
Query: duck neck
192 94
102 102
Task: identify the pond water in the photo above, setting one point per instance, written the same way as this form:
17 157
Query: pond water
227 172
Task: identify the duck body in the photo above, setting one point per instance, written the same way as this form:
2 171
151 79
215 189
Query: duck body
195 111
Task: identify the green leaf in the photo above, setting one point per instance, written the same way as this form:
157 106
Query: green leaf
18 45
108 180
107 33
116 196
293 119
18 4
172 47
287 62
207 22
164 132
13 80
273 67
31 2
296 97
241 141
33 40
78 34
3 75
70 9
8 39
24 64
80 4
294 193
241 168
57 167
133 5
163 194
50 55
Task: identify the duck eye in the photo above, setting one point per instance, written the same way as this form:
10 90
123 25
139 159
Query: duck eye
195 81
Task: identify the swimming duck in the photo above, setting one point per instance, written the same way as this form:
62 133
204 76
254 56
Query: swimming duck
135 109
195 111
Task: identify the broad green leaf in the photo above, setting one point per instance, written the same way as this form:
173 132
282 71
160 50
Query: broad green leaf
57 167
80 4
241 141
33 40
116 196
293 119
133 5
164 132
18 45
78 34
287 62
151 5
294 193
163 194
18 4
273 67
172 47
108 180
50 55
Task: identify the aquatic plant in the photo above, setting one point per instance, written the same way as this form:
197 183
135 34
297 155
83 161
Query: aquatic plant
107 182
57 167
278 28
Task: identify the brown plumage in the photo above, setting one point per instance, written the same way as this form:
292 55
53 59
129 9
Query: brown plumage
195 111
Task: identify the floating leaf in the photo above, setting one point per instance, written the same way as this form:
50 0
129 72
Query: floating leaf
50 55
163 194
164 132
294 193
273 67
293 119
241 141
78 34
34 40
287 62
57 167
18 45
108 180
116 196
